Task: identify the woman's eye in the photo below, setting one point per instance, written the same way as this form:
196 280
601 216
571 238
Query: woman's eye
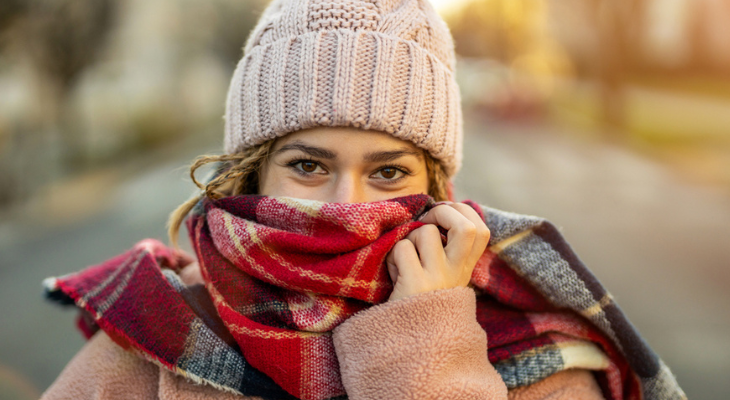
389 173
308 166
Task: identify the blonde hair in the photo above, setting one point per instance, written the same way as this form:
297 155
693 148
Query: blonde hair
239 175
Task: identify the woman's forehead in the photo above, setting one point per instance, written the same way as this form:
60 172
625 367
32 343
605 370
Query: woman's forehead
345 140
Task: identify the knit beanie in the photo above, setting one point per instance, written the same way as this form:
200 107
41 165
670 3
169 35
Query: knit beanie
384 65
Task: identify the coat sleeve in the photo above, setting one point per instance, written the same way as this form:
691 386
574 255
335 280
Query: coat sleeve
430 346
426 346
565 385
104 371
423 347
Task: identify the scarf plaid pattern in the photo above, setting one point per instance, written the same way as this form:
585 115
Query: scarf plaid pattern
281 273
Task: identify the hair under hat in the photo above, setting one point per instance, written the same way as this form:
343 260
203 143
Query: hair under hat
385 65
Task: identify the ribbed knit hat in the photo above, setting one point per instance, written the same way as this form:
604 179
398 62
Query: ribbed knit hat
385 65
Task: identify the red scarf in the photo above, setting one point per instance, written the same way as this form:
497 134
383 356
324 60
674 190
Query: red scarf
282 273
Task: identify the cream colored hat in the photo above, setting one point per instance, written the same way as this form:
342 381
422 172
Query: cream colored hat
385 65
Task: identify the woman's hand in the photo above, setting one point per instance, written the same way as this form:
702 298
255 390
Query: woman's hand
420 263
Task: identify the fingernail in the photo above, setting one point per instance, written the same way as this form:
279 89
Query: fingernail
423 216
438 203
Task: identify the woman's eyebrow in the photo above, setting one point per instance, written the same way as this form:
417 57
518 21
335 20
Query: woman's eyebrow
311 150
384 156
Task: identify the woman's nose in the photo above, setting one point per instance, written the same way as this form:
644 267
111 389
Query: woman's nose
348 189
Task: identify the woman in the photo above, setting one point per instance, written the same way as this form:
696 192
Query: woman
323 269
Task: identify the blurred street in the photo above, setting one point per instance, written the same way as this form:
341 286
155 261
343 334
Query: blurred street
608 118
95 218
659 244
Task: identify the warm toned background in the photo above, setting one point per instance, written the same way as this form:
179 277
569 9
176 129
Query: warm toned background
609 117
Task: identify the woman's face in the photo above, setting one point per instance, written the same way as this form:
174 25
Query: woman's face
343 165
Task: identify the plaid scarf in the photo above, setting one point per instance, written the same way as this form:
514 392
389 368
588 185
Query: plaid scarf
281 273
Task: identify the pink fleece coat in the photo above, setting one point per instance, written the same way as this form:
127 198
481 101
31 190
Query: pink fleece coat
422 347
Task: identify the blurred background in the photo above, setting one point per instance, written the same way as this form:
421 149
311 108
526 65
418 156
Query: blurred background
609 117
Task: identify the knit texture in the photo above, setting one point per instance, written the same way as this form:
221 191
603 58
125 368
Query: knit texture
384 65
283 273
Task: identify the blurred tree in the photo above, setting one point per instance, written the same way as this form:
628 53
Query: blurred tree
51 42
620 25
497 29
10 11
700 59
63 38
223 27
68 35
235 20
506 29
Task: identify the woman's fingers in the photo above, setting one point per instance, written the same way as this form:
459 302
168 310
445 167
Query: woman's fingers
427 242
420 263
462 231
403 262
481 239
406 272
467 238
